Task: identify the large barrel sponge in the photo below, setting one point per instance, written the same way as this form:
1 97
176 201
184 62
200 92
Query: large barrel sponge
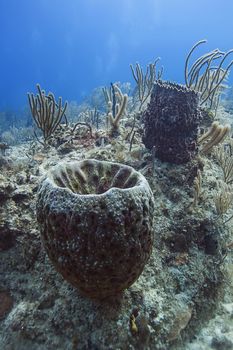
96 224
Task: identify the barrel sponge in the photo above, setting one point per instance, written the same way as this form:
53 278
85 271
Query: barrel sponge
96 221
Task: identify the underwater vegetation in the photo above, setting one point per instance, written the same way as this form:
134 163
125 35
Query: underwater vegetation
46 112
207 75
129 197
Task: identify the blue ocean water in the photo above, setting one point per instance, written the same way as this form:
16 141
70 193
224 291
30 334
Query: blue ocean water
73 46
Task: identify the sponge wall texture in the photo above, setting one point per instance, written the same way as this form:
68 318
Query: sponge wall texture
96 220
171 122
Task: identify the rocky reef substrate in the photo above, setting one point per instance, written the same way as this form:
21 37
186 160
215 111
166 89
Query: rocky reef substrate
183 298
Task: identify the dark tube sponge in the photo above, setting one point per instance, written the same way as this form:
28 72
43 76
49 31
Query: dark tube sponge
171 122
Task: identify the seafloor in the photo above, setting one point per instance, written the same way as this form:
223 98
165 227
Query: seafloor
183 298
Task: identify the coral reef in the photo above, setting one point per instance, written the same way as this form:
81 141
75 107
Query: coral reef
116 103
145 81
215 135
171 122
46 112
96 224
179 289
207 75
